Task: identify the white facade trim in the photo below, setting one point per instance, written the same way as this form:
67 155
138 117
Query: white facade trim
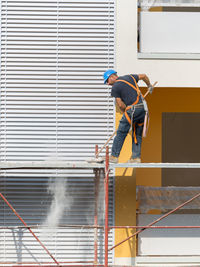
168 72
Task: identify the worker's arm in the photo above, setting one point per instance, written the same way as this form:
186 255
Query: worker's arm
144 78
120 104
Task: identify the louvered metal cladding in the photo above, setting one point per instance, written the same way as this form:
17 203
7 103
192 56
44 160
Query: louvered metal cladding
54 106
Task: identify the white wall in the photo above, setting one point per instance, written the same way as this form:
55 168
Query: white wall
169 73
169 242
176 32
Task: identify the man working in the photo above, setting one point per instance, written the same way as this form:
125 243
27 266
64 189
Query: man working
130 100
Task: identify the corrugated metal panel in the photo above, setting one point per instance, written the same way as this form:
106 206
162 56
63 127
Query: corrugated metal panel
53 106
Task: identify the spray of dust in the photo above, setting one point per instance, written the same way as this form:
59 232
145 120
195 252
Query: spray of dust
56 188
61 201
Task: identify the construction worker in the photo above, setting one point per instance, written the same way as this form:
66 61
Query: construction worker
130 100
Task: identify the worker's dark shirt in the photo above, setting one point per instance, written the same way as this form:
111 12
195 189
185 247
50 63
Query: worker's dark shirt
124 91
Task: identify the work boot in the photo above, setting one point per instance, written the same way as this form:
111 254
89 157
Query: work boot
113 159
136 160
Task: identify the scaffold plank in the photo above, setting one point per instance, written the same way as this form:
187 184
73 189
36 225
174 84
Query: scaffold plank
86 165
49 165
156 165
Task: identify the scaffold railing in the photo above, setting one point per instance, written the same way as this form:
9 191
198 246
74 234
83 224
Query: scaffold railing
106 167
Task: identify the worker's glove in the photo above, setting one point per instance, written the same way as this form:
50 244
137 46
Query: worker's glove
150 88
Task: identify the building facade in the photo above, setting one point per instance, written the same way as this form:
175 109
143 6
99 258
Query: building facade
54 106
146 42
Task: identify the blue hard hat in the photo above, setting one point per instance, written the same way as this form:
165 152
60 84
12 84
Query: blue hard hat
107 74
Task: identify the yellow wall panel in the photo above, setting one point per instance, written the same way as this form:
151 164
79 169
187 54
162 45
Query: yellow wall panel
162 100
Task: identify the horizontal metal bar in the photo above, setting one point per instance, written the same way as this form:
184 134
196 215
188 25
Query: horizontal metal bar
102 227
49 165
177 4
87 165
194 56
56 265
86 263
46 262
156 165
155 227
59 226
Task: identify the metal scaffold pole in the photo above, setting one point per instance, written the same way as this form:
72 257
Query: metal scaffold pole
104 169
10 206
96 184
106 186
157 220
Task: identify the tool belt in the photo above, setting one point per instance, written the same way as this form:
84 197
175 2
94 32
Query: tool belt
140 105
130 119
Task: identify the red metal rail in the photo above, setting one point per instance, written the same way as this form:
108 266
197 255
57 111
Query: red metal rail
159 219
96 184
106 186
155 227
110 227
50 263
10 206
94 265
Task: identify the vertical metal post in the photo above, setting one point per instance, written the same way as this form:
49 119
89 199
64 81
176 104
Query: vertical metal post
96 183
97 178
106 188
96 151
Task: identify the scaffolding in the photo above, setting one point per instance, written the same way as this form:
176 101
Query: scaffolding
98 168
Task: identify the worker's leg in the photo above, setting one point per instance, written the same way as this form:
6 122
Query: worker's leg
122 132
137 142
136 147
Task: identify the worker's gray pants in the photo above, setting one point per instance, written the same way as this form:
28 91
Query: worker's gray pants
123 130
